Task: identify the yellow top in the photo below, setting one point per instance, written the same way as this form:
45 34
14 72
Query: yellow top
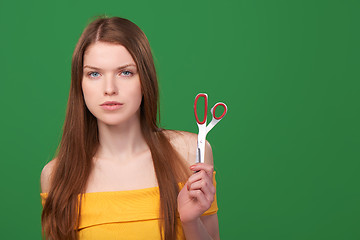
132 214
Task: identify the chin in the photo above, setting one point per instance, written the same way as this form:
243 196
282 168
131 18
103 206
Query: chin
110 122
114 121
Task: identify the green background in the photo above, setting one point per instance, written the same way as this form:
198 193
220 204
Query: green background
286 154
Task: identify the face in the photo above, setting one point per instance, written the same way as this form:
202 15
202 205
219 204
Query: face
111 84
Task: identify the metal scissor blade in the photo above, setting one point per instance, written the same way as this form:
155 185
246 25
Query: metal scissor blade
198 155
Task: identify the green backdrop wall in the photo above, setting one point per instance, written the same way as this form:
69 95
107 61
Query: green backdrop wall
287 153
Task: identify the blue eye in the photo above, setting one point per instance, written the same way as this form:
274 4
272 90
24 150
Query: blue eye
91 74
126 73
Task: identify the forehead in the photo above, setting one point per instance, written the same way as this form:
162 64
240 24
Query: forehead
107 55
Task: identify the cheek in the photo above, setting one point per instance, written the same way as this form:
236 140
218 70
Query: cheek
88 93
137 93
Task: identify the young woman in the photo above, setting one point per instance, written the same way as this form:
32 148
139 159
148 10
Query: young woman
117 175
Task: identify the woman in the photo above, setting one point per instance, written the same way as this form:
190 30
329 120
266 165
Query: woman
117 175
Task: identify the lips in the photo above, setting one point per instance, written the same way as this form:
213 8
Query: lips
111 105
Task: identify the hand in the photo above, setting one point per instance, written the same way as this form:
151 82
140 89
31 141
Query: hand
198 193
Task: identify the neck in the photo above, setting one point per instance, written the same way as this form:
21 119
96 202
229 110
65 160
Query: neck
120 142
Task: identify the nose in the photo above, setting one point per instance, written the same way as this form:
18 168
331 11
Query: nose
110 87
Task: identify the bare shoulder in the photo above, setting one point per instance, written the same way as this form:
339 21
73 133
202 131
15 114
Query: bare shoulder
181 138
46 176
185 143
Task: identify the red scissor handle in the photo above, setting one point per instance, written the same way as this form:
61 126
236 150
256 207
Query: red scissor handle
204 95
223 114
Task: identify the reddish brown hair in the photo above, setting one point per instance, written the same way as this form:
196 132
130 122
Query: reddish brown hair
79 143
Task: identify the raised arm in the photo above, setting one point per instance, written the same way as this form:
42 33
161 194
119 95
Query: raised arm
196 197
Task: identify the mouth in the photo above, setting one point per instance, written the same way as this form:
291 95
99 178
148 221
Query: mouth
111 105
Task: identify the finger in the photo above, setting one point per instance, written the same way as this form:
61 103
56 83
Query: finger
209 169
200 197
206 187
199 176
201 181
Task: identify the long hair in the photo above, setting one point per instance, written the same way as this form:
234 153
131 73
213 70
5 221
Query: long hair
80 139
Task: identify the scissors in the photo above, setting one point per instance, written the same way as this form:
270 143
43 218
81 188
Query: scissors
203 129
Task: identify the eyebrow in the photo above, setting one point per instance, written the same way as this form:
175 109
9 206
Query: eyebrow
118 68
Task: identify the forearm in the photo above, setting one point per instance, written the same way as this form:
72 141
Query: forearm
195 230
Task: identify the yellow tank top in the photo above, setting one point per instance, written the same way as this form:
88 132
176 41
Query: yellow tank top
132 214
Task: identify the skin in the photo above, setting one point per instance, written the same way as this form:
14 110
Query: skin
123 161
